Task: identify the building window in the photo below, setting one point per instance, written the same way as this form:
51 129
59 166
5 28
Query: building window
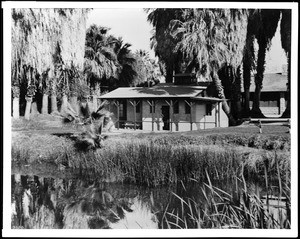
138 107
208 109
153 107
187 108
176 107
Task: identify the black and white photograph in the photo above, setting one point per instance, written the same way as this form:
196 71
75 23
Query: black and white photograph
150 115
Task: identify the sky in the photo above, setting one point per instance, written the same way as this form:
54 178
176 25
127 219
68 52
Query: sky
132 25
129 23
276 56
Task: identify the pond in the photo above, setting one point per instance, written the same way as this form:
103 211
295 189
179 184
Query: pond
72 203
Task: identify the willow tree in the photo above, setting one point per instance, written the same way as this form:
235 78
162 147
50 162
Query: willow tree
285 32
214 37
265 31
35 36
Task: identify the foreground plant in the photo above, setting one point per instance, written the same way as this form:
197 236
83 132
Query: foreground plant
220 209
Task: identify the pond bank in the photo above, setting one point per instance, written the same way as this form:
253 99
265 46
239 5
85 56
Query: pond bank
157 159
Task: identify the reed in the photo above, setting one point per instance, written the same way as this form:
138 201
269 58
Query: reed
150 160
238 209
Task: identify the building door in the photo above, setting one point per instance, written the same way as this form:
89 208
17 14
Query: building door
165 110
123 113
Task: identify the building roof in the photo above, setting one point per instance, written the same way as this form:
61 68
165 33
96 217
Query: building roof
211 99
158 91
272 82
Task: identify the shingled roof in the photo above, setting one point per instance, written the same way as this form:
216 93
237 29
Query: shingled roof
158 91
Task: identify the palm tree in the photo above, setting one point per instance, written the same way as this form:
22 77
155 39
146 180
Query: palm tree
149 71
235 41
268 21
285 31
205 36
35 35
126 60
100 59
249 59
45 88
163 41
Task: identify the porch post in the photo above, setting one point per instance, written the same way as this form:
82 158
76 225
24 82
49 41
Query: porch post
216 114
281 103
152 110
219 114
117 103
171 114
134 104
170 104
191 115
134 112
153 107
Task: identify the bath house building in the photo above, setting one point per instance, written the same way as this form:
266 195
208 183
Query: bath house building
165 107
273 94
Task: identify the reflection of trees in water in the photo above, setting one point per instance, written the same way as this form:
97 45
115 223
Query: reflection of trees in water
59 203
71 203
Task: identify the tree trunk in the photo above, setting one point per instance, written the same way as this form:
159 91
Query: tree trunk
28 107
45 104
247 82
95 105
64 105
16 101
287 112
53 104
169 76
237 93
16 105
74 103
221 95
248 62
34 111
256 112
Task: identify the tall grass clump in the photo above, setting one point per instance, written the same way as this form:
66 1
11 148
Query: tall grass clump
147 163
220 209
151 160
268 142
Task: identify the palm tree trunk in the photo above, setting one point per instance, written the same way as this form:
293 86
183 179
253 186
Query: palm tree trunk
53 103
256 112
221 95
169 76
16 105
247 82
45 104
74 103
34 110
287 112
94 103
237 93
28 107
16 102
64 104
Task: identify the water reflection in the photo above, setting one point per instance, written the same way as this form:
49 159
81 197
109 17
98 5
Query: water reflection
39 202
61 203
